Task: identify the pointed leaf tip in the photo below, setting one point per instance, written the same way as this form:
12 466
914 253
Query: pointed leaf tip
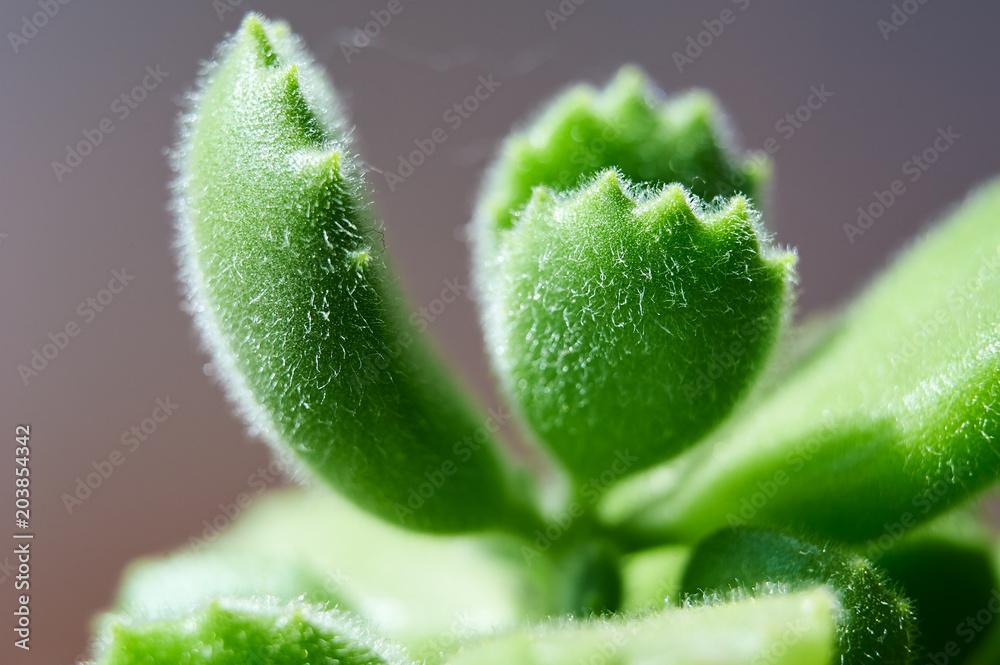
302 314
254 26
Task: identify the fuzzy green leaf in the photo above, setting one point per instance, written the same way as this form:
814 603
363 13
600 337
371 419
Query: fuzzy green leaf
652 577
626 322
425 592
891 421
612 316
875 623
628 126
981 628
288 282
158 586
796 629
948 569
244 631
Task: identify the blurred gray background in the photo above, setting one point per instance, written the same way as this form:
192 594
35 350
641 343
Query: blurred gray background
62 235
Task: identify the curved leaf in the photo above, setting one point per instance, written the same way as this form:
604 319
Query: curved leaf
875 623
791 630
288 281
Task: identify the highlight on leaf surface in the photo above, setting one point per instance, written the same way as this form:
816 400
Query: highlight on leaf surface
155 586
627 321
288 281
238 631
875 622
796 629
890 422
427 593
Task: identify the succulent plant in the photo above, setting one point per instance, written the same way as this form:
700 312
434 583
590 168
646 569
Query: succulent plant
632 300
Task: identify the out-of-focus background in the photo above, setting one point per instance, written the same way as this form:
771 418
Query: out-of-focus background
892 76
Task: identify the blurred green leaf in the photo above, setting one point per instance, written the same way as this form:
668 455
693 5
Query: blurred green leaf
245 632
796 629
948 568
875 622
164 585
425 592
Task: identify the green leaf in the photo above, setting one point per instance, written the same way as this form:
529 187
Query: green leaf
652 577
625 322
593 299
244 631
875 623
158 586
289 284
947 567
891 421
982 628
425 592
589 578
629 126
796 629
